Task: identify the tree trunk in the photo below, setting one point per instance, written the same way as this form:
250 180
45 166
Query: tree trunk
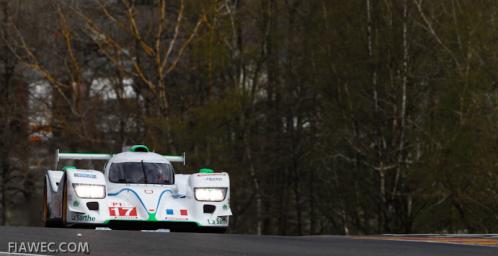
257 191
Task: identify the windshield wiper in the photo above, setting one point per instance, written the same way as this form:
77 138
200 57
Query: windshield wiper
143 170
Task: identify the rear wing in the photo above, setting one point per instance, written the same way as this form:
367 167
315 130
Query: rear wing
93 156
178 159
79 156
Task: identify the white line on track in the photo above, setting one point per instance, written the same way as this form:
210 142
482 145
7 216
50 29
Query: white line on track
157 230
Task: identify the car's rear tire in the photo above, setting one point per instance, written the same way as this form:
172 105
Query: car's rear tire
64 203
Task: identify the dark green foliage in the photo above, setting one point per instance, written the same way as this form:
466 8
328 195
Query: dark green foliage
332 117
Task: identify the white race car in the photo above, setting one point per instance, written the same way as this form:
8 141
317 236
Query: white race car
137 190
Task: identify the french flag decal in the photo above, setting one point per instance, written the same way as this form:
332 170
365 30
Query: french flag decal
169 212
183 212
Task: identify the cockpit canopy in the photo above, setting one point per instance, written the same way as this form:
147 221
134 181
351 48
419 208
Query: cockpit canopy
142 173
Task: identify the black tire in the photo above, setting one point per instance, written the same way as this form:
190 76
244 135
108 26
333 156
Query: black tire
45 213
64 203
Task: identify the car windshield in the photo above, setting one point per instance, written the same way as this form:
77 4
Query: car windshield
141 173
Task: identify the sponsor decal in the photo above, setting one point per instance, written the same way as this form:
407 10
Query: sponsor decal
82 217
214 178
85 175
217 221
176 218
123 211
116 204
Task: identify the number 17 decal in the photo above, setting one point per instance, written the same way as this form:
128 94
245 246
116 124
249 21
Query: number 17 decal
123 211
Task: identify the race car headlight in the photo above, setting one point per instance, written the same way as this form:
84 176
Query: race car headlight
210 194
89 190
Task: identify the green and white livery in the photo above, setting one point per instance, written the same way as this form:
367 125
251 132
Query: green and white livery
138 189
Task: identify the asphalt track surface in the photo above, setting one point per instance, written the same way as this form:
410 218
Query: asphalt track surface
113 242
